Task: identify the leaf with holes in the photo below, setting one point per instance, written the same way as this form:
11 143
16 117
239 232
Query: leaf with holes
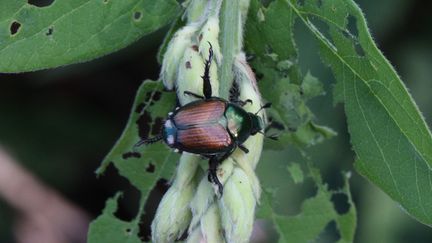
389 135
65 32
269 37
144 167
316 214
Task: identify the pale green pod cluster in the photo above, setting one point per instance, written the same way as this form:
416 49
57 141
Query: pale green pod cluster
237 207
195 9
182 68
174 53
242 189
205 194
241 186
210 230
189 75
173 215
209 34
192 202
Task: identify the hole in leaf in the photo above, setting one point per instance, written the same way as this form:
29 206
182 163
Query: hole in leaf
105 1
131 155
40 3
296 196
359 49
333 179
148 97
330 233
139 107
128 202
50 31
15 26
137 16
157 126
144 124
151 168
352 25
340 201
150 209
324 29
157 95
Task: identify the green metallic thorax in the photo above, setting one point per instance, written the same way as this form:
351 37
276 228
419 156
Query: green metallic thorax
238 122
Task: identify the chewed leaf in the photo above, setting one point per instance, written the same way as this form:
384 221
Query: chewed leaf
150 108
108 228
144 166
389 135
269 38
315 214
36 37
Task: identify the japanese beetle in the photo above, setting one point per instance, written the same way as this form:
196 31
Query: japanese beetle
211 126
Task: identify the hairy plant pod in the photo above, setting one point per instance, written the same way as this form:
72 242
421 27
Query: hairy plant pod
237 207
210 230
191 68
209 33
173 215
190 74
174 53
241 185
195 9
242 189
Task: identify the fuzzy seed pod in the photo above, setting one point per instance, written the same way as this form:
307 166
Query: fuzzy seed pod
242 189
205 194
191 68
173 215
174 53
210 230
195 10
210 34
190 74
237 207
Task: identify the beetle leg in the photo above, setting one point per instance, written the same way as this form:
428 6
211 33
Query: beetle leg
207 89
149 140
212 176
193 94
243 148
243 103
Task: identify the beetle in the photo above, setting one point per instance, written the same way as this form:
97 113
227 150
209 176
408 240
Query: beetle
210 126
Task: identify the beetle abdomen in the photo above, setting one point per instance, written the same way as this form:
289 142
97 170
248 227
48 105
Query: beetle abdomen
199 113
204 139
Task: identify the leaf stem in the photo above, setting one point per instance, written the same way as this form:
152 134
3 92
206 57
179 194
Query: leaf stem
230 40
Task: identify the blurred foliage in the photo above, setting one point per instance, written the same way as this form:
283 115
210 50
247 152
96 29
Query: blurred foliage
32 34
60 123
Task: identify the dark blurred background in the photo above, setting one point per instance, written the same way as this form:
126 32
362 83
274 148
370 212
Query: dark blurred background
60 123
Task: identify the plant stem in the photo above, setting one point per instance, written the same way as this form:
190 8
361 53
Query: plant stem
230 40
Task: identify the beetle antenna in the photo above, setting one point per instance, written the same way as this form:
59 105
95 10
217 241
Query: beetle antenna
272 137
149 140
267 105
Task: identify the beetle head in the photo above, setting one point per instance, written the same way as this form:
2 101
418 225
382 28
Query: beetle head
257 124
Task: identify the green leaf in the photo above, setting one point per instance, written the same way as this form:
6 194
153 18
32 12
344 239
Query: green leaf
74 31
391 139
143 167
296 172
269 38
108 228
316 213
